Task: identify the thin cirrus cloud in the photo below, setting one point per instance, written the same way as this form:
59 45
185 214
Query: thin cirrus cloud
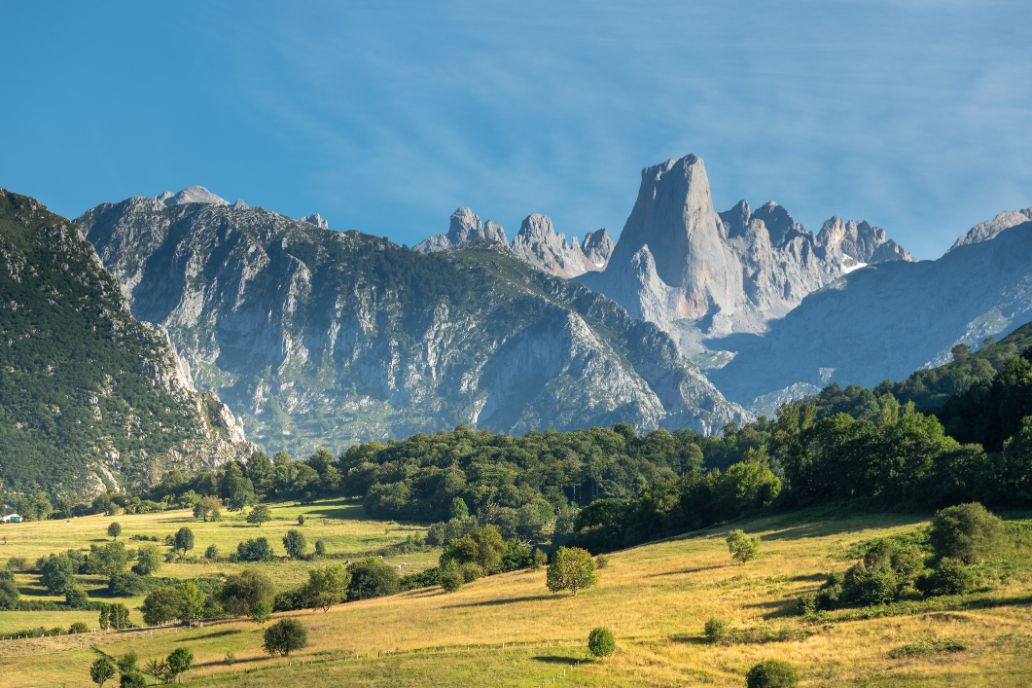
386 116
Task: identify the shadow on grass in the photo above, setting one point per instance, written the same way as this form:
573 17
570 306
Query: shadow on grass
555 659
777 608
808 577
690 639
684 572
494 603
222 662
839 522
214 634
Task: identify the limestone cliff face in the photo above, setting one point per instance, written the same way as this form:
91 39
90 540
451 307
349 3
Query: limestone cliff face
697 273
537 243
321 338
92 398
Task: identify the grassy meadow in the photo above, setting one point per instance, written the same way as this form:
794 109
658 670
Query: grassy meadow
508 630
340 524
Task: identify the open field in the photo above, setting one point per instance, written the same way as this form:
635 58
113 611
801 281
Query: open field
507 630
340 524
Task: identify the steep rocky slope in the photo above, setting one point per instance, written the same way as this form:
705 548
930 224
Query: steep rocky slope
316 337
537 243
89 397
888 320
698 273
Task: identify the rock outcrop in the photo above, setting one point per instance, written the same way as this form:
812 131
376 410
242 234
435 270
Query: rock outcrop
697 273
537 243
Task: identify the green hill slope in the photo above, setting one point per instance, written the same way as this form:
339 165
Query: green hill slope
88 395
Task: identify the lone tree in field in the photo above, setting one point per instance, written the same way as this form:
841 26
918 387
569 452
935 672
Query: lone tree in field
178 663
114 530
572 568
967 532
294 543
208 509
601 642
102 671
259 515
742 547
772 673
283 637
184 540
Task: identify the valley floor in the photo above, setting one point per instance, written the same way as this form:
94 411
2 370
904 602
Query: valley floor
508 630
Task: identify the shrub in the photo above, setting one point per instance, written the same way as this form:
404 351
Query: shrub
256 549
717 630
742 547
949 577
572 568
9 592
320 548
540 559
285 636
451 578
148 561
301 519
183 602
75 597
242 593
927 646
211 553
372 578
968 532
601 561
470 572
126 585
772 673
601 642
18 564
78 627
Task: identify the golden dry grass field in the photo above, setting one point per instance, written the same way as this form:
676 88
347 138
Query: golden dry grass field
507 630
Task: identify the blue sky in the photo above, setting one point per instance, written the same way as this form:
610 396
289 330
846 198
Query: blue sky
385 116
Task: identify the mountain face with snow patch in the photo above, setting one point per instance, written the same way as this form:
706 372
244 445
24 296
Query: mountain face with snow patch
698 273
537 243
321 338
888 320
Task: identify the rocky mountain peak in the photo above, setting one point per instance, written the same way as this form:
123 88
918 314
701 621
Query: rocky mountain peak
985 231
317 220
598 247
718 273
861 241
191 194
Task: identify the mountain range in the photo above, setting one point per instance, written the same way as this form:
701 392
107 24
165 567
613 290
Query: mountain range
313 337
323 338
